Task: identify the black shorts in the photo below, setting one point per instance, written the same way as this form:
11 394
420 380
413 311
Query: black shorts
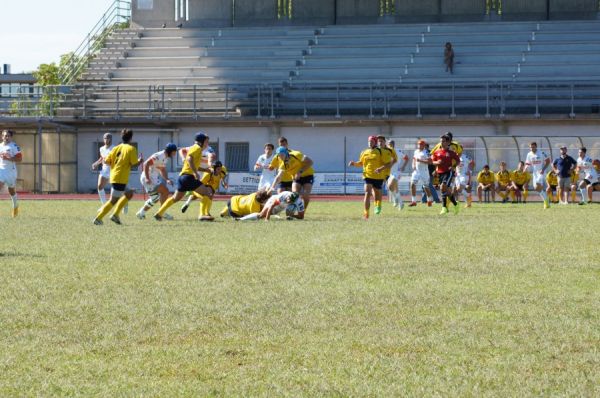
446 178
588 182
519 186
119 187
305 180
377 184
553 187
285 185
187 182
231 212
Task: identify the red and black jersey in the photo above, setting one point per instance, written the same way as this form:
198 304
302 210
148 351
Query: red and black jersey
447 157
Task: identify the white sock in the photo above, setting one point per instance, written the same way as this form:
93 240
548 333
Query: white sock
544 195
15 201
582 191
189 200
399 198
414 199
102 195
429 199
250 217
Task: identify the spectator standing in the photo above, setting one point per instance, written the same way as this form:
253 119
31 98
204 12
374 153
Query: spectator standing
563 166
449 57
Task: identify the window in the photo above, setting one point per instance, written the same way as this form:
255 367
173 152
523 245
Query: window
145 4
236 156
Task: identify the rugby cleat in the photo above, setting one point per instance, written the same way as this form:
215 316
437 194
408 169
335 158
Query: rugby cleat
115 219
97 222
444 211
413 204
377 209
185 207
140 214
206 218
168 217
429 203
158 217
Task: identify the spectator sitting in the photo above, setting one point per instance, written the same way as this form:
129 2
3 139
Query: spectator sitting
485 181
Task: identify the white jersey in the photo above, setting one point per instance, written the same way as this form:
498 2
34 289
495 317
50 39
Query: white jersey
280 202
157 161
267 176
536 161
587 168
397 168
12 150
463 169
104 151
422 168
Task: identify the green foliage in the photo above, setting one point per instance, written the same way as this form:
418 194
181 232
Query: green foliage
387 7
406 304
285 9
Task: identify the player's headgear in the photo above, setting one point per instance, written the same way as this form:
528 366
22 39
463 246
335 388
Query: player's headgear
282 150
294 197
422 142
201 137
449 134
372 138
170 148
107 135
217 164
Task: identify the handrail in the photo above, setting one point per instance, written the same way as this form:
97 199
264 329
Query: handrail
118 13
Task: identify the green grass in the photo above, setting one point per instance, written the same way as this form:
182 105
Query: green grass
502 300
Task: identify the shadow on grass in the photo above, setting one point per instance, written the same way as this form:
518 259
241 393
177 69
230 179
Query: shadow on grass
25 255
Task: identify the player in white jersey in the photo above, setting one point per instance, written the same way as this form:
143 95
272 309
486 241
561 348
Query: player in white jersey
395 173
590 181
154 179
262 163
10 155
538 161
291 202
209 157
104 174
464 177
420 174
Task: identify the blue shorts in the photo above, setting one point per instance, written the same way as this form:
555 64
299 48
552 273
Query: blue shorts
285 185
187 182
305 180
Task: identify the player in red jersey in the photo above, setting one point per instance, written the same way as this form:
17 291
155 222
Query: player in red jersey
443 160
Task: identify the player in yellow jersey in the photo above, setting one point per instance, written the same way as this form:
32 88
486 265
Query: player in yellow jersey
485 182
286 180
519 183
242 205
120 159
454 146
189 178
552 183
298 167
216 177
502 182
374 167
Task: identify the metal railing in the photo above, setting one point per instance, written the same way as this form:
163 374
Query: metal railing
276 101
117 16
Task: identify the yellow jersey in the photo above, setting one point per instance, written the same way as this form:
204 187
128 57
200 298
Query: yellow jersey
454 146
503 177
484 178
574 177
520 177
121 159
552 178
245 204
213 180
293 165
371 159
389 155
195 151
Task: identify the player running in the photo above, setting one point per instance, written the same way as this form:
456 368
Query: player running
400 160
262 163
189 178
590 182
443 159
104 174
154 179
464 177
10 155
420 175
538 161
374 164
121 159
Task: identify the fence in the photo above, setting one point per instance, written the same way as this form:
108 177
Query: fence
371 100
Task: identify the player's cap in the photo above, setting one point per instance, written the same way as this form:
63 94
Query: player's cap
282 150
372 138
200 137
170 148
107 135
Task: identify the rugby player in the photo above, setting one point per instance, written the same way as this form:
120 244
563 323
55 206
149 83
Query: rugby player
464 173
551 185
291 202
211 180
262 163
242 205
104 174
298 167
444 159
10 155
485 182
154 179
420 174
400 160
590 182
519 183
502 182
538 161
120 159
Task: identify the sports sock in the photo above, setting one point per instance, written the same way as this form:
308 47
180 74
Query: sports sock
525 195
148 204
452 199
225 212
205 205
444 200
250 217
120 205
544 195
106 207
583 196
513 195
102 195
168 203
399 198
414 199
378 203
573 195
15 201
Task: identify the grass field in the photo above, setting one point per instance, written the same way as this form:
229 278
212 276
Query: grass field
502 300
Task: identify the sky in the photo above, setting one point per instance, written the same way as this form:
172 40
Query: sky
37 32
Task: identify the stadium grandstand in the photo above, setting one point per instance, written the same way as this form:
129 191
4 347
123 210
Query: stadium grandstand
323 73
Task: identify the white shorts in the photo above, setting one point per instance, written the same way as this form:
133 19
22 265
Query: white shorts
461 180
105 172
537 178
8 177
418 176
151 188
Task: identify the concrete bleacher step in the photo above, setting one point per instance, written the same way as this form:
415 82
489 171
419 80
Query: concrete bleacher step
153 62
216 42
197 71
